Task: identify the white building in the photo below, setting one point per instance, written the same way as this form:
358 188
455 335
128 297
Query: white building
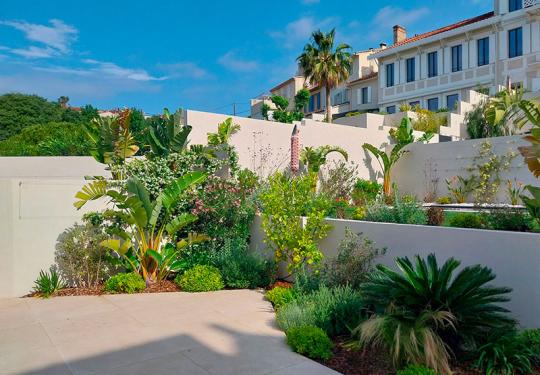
436 69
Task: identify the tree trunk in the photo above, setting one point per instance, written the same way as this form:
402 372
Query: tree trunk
328 105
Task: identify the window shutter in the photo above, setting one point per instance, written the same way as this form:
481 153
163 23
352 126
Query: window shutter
369 94
358 96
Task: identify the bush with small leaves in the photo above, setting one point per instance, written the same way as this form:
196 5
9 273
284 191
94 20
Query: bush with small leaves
509 219
201 278
280 296
125 283
310 341
435 216
444 200
466 220
416 370
48 283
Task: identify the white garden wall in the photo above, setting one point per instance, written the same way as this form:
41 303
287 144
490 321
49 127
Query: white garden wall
514 257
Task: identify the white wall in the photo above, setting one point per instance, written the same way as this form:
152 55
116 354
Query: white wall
514 257
452 158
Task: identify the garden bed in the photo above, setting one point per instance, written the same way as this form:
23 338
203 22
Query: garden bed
165 286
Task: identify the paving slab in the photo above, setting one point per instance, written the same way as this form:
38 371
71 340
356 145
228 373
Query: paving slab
217 333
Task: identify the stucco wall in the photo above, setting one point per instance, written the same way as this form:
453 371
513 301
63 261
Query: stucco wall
514 257
449 159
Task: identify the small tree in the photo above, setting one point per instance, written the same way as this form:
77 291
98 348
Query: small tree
301 99
314 158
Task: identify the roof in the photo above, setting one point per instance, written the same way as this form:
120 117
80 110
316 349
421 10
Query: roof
284 83
364 78
443 29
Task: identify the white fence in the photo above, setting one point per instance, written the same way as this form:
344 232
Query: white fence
514 257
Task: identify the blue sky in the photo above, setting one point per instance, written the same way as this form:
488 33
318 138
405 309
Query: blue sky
197 55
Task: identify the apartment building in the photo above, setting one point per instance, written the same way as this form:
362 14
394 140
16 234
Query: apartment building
436 69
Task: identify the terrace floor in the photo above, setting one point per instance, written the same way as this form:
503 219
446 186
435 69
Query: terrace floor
227 332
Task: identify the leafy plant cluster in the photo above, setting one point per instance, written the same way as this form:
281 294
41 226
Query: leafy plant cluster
125 283
403 211
200 278
282 113
310 341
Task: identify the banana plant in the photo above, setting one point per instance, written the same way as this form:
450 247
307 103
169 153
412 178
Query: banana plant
314 158
225 131
111 140
504 111
403 136
167 134
146 244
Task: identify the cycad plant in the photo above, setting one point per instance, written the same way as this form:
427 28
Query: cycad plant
167 134
147 244
326 65
111 140
425 312
314 158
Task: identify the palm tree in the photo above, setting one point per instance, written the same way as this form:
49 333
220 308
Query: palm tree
325 65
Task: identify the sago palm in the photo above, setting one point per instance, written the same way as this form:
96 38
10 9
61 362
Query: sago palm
325 64
146 245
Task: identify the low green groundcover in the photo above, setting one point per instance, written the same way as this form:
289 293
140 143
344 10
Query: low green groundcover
125 283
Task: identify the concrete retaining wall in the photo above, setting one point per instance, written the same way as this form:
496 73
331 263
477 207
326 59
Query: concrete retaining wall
514 257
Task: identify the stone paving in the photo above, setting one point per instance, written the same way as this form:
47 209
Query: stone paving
227 332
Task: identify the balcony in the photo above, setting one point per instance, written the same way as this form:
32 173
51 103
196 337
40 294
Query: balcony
530 3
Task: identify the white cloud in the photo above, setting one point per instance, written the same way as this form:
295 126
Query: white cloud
390 15
112 69
34 52
184 69
232 62
309 2
58 36
299 31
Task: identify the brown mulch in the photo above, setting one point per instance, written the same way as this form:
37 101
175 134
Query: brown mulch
280 283
164 286
374 361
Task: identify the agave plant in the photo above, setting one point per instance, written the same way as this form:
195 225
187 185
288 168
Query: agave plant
424 298
111 140
167 134
146 245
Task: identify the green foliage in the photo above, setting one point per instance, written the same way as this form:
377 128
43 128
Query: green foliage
167 134
426 310
335 310
80 259
310 341
281 114
466 220
444 200
530 338
477 125
279 296
325 64
284 201
365 191
280 102
314 158
504 354
509 219
201 278
242 269
51 139
504 111
416 370
402 212
460 187
225 131
429 122
125 283
435 216
48 283
301 99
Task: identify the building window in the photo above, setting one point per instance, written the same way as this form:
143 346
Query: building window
515 42
514 5
365 99
415 104
410 69
391 109
457 58
390 75
483 51
433 104
451 101
318 99
432 64
311 103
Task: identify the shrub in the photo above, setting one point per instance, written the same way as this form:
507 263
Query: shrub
242 269
365 191
425 311
280 296
333 310
466 220
201 278
81 260
504 354
354 262
509 219
444 200
429 122
48 283
435 216
338 180
416 370
530 338
310 341
402 212
125 283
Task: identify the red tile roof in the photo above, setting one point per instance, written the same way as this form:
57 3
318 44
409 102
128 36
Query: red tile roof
443 29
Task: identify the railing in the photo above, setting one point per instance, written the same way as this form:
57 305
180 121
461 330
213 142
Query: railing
530 3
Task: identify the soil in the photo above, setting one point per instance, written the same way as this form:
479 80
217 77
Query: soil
280 283
164 286
375 361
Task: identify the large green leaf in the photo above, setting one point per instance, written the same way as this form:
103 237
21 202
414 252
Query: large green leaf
135 187
179 222
531 153
172 194
121 247
155 255
179 140
91 191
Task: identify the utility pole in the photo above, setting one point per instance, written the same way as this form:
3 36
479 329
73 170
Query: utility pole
234 109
